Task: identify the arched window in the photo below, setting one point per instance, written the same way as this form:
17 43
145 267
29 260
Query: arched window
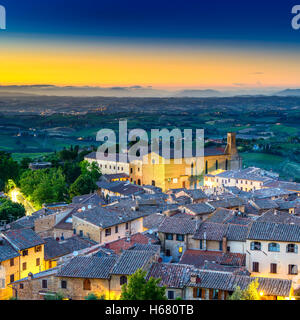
255 246
206 167
192 169
123 280
217 164
226 164
291 247
86 284
274 247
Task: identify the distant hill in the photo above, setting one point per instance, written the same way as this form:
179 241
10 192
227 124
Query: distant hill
289 92
199 93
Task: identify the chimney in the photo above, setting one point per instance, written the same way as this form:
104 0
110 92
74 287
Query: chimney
194 277
224 244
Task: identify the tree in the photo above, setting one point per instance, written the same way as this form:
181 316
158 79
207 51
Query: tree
138 288
11 211
250 293
91 169
84 184
93 296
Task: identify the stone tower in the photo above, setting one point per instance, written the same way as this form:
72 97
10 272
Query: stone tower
231 149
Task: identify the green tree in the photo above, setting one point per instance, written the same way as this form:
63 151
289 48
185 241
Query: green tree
11 211
93 296
91 169
250 293
138 288
84 184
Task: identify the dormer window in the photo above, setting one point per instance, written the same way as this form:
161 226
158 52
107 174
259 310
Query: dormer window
255 246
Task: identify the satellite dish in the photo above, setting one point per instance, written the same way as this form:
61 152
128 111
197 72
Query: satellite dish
75 253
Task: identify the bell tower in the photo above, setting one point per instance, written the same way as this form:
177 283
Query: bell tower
231 149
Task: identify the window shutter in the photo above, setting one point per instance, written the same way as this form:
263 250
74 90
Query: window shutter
210 294
194 292
203 294
220 295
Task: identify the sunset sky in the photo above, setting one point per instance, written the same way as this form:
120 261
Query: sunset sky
164 44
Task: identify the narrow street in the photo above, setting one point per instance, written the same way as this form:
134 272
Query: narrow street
16 196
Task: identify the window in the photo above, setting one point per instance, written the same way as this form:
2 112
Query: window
21 286
50 264
217 165
123 280
292 248
171 295
169 236
38 249
273 268
127 226
74 231
179 237
44 284
24 267
139 182
131 170
116 229
38 262
12 278
107 232
197 293
25 253
215 294
86 284
80 233
153 183
255 267
206 167
293 269
201 244
63 284
220 245
255 245
12 262
274 247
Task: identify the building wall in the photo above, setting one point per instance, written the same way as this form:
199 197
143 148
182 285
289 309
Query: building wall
75 288
110 167
30 260
98 234
31 288
265 258
7 271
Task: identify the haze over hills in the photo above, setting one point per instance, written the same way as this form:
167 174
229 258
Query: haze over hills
138 91
289 92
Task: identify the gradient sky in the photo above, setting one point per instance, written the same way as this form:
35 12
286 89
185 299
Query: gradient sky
193 44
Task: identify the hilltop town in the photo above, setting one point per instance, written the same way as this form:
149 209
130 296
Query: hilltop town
201 237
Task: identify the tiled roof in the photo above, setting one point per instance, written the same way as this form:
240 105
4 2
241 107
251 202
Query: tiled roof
229 281
132 260
177 226
146 247
227 203
93 156
171 275
23 238
153 220
212 231
7 251
265 204
276 216
54 249
121 187
198 258
274 232
108 217
236 232
220 215
120 245
243 175
93 198
199 208
292 186
270 192
88 267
